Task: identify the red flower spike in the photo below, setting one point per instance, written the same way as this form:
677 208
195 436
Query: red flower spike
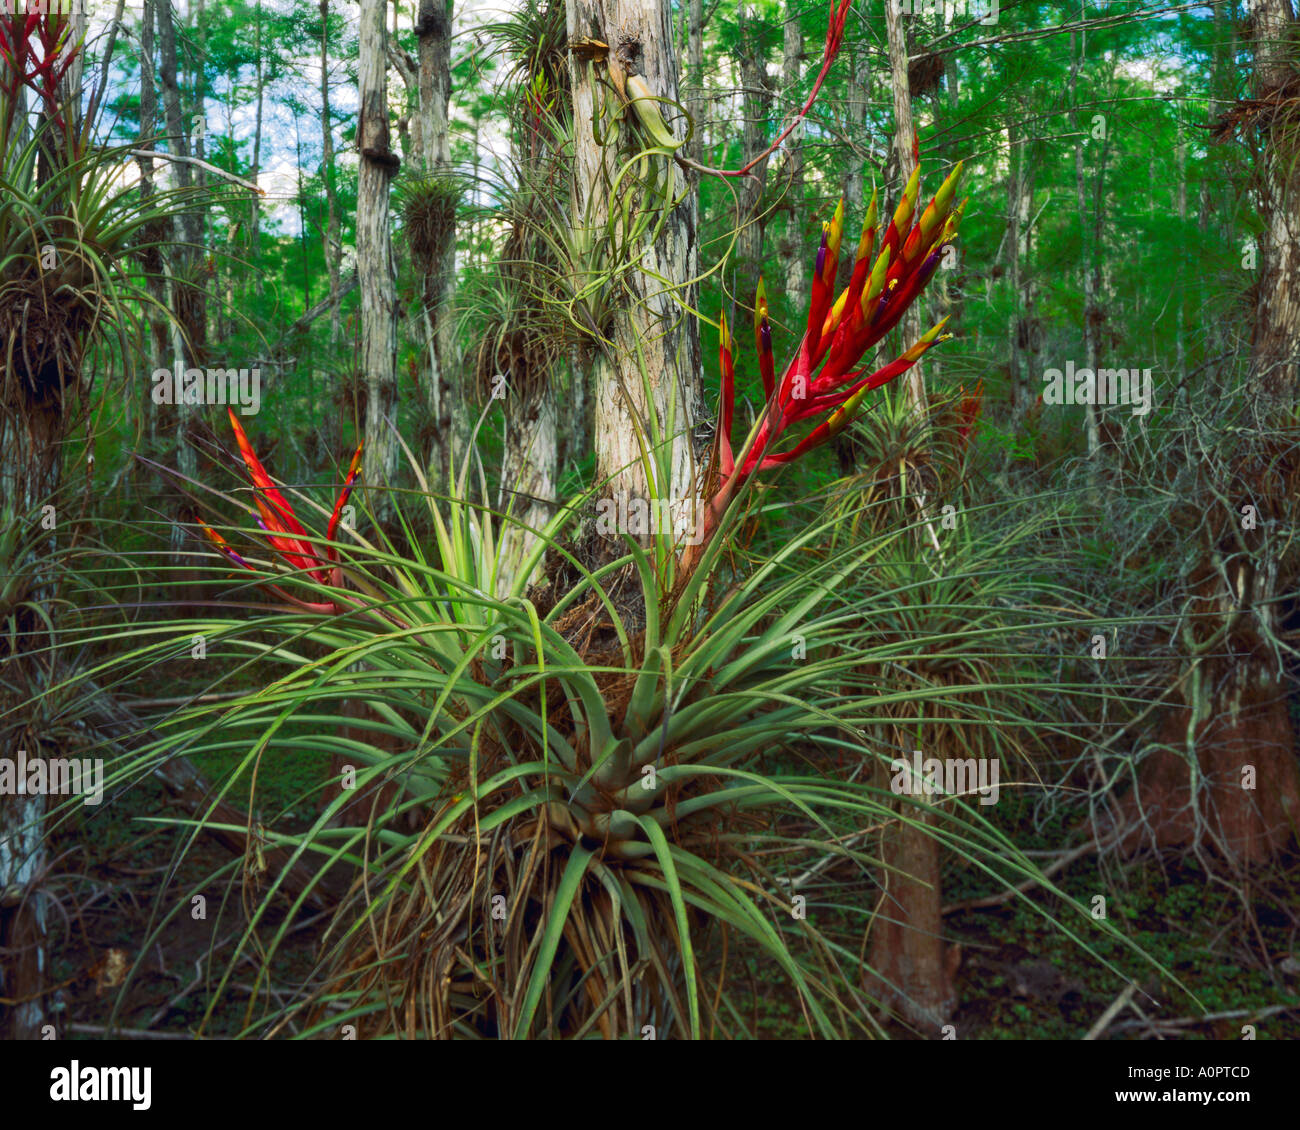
823 381
52 30
285 533
728 396
277 514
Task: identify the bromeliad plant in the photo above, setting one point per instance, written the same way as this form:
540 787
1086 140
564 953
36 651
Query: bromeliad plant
69 221
825 381
605 787
601 808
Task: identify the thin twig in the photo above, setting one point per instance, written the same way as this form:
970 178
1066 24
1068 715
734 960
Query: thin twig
133 1033
1116 1007
1192 1021
997 900
201 164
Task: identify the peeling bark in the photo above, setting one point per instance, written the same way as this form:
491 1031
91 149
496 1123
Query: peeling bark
375 274
444 399
904 135
640 416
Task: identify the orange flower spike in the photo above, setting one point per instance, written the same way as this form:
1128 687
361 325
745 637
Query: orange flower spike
930 228
835 316
953 222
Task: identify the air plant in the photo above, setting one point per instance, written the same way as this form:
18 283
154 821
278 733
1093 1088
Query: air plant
285 534
824 381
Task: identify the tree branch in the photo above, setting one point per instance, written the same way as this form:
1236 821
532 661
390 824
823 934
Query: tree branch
200 164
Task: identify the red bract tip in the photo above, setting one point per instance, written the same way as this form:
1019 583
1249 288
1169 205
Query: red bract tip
284 532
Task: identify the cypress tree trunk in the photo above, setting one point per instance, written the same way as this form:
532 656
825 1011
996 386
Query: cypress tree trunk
186 304
794 259
31 434
696 105
39 393
1021 330
375 259
443 397
904 137
646 372
1248 727
528 476
334 249
1233 782
907 945
255 204
756 101
153 263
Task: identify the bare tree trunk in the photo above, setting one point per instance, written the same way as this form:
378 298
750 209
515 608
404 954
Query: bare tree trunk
334 248
200 132
855 115
912 964
443 394
1237 785
1091 309
255 204
695 103
184 291
375 258
793 254
189 231
904 138
647 374
1275 343
1022 330
1180 364
756 103
907 945
154 255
